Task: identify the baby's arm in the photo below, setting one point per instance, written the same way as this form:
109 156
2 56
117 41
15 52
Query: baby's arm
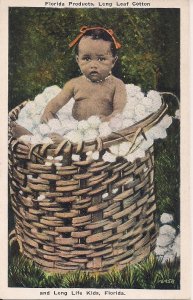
58 102
119 100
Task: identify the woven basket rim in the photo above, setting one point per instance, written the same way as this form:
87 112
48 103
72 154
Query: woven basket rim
100 143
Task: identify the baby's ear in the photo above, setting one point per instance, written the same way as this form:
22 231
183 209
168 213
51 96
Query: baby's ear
77 59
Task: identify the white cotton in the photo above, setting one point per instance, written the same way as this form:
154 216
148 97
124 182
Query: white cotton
26 123
114 191
177 114
47 140
29 176
25 138
105 195
139 95
160 251
109 157
67 108
39 100
166 121
128 111
75 157
146 144
104 129
132 89
94 122
124 148
41 197
44 129
130 157
164 240
154 95
48 163
156 132
140 112
95 155
127 123
21 192
74 136
90 135
36 139
57 164
67 125
83 125
59 158
49 157
116 123
147 102
50 92
166 218
114 149
156 100
30 107
167 230
54 125
89 153
168 256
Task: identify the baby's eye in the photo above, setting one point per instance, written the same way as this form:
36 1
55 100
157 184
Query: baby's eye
87 58
101 59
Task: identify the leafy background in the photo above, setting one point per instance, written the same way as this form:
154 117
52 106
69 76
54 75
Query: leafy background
150 57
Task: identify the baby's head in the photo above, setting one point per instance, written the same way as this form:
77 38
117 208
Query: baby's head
96 53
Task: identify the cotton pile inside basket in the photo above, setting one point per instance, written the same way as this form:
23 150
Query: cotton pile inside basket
138 107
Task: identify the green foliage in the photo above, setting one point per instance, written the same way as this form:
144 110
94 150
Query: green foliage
149 274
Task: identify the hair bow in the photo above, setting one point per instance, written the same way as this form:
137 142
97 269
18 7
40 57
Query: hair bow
84 29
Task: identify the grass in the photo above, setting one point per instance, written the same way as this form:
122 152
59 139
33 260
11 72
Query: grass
149 274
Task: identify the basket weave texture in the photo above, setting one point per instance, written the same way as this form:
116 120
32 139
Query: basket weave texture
75 227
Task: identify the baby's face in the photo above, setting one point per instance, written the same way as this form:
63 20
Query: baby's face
95 58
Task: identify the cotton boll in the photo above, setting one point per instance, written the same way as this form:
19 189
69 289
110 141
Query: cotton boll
116 123
47 140
36 139
105 195
147 102
132 89
109 157
177 114
124 148
159 132
132 101
114 149
49 157
50 92
30 107
83 125
140 112
75 157
139 153
94 122
166 218
166 121
146 144
156 100
104 129
164 240
44 129
128 111
127 123
25 138
59 158
54 125
154 95
130 157
74 136
90 135
114 191
168 230
168 256
41 197
26 123
139 96
48 163
57 164
39 99
95 155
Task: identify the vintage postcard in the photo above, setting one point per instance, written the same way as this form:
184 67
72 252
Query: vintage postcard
96 154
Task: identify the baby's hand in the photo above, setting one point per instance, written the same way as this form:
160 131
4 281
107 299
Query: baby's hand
56 138
47 115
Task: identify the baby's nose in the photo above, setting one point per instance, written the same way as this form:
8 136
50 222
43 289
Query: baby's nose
93 64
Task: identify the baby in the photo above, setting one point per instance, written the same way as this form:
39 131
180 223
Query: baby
97 91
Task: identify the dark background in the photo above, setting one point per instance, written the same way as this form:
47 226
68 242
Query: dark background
149 57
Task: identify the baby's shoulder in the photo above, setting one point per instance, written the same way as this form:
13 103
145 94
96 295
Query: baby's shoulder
74 82
117 81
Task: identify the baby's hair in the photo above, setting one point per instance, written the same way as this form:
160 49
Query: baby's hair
99 34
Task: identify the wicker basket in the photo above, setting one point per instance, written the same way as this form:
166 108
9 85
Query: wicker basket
74 227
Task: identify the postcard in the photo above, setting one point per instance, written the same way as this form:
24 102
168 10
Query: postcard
95 161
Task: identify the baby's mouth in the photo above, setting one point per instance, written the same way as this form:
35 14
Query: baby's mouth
94 73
